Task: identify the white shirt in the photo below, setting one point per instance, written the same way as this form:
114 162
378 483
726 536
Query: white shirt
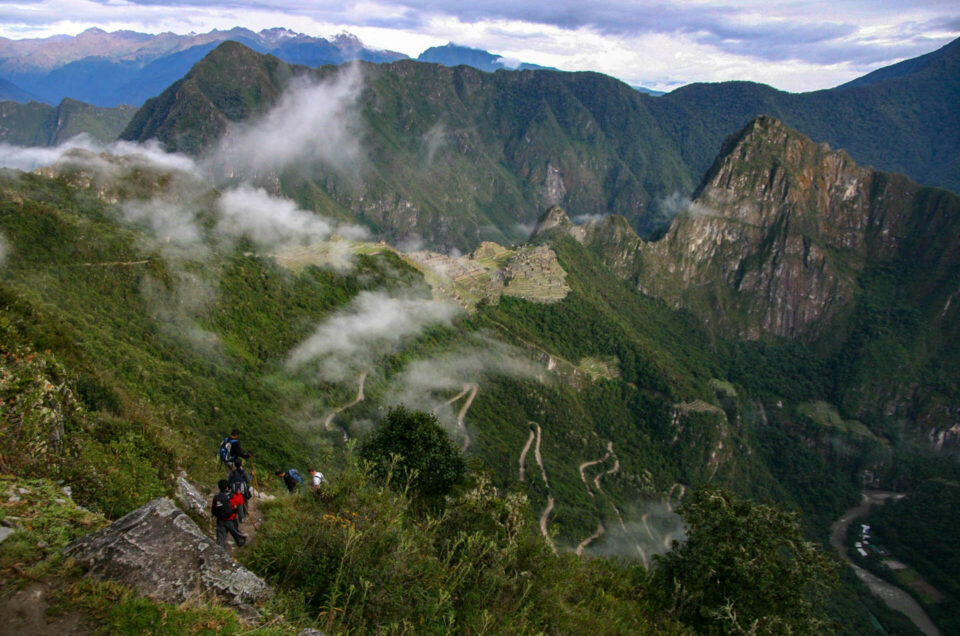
318 479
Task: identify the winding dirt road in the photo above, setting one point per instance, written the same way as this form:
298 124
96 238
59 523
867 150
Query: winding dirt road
593 537
893 596
328 422
545 515
474 388
585 465
523 455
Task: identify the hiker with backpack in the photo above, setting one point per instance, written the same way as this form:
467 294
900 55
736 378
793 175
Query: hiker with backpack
291 478
225 504
230 449
239 482
317 478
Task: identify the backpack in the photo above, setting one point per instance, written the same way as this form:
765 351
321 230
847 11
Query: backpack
222 509
226 450
296 476
239 484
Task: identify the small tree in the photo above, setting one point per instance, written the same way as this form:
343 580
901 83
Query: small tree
416 448
744 569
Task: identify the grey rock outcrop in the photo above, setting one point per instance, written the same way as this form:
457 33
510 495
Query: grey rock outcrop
159 551
189 497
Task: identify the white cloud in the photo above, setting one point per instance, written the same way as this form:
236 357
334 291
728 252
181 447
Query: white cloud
372 325
313 123
150 153
272 221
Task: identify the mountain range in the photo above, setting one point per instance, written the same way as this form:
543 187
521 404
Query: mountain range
648 294
535 139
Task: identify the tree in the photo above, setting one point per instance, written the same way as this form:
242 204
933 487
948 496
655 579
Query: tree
744 569
418 451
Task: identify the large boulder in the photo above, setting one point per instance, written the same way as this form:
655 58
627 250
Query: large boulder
190 498
159 551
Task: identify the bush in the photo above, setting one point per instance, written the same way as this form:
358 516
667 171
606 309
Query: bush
410 448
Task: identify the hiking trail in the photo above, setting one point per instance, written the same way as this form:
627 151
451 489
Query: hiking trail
596 535
328 422
523 455
545 515
596 484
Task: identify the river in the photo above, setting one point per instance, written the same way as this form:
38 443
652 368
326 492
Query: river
893 596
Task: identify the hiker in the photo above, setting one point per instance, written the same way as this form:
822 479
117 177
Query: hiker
291 478
318 478
230 449
239 482
224 511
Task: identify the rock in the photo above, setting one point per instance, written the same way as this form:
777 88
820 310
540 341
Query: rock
189 497
23 491
159 551
14 498
310 632
5 532
43 545
67 491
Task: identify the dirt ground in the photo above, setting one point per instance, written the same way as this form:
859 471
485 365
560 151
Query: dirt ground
25 614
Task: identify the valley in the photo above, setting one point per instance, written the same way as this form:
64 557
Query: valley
786 335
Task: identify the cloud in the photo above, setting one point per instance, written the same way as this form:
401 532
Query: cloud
372 325
428 384
174 227
645 529
29 158
271 221
312 124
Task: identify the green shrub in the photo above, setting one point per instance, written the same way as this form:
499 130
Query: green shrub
412 449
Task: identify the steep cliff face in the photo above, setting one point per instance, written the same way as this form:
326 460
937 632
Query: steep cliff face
778 232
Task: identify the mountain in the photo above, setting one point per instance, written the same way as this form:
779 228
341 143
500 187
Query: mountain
12 92
929 64
125 67
146 313
452 54
538 138
36 124
787 238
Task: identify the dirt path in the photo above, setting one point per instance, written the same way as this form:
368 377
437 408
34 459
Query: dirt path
523 455
626 533
24 613
545 515
116 264
613 470
328 422
593 537
585 465
893 596
669 499
474 388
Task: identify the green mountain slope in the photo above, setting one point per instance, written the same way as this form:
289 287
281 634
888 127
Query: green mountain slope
529 140
36 124
167 339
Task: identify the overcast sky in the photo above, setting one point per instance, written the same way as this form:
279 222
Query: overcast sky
796 46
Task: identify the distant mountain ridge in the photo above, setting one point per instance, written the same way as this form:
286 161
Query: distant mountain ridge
126 67
532 139
452 54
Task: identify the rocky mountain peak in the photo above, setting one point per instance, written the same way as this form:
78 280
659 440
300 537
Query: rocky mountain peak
554 217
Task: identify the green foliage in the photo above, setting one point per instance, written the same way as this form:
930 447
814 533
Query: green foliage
111 464
920 529
44 520
411 449
744 568
363 560
117 609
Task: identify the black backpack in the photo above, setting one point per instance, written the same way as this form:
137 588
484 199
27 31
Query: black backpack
222 508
